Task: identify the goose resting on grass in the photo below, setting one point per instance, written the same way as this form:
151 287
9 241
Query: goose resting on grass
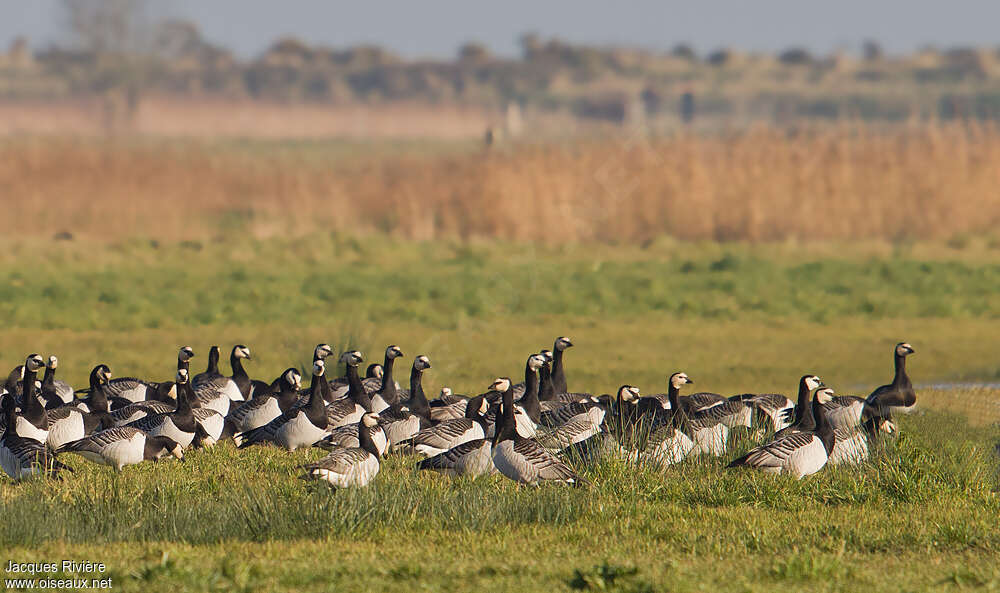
121 446
352 467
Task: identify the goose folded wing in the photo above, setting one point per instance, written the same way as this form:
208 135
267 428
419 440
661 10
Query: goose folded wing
776 453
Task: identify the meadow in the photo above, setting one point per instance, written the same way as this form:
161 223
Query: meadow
120 251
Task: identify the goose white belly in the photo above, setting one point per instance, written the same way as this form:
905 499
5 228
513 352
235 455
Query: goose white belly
29 431
378 403
523 424
166 427
121 453
672 449
66 430
806 460
298 432
357 475
710 441
212 423
478 462
219 403
853 449
352 417
257 415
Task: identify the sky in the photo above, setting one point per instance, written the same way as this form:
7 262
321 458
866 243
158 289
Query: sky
436 28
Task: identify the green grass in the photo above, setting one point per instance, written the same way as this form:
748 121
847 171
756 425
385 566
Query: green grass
921 516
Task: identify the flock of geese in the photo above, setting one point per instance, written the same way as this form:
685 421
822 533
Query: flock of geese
531 432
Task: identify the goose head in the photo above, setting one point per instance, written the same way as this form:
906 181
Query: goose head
319 367
34 363
535 362
628 393
678 380
421 363
370 420
500 385
293 378
484 407
887 426
374 371
53 362
182 376
824 395
445 392
322 351
185 354
904 349
547 354
352 358
177 451
562 343
393 352
241 351
812 382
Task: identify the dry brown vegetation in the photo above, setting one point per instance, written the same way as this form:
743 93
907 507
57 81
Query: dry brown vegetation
927 181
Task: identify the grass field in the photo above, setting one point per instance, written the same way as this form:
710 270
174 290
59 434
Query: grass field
734 317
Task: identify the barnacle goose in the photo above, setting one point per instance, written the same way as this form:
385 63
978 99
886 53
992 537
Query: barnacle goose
22 457
211 370
403 421
669 440
58 392
387 395
451 433
520 459
179 425
99 401
471 458
799 454
67 424
350 409
899 393
447 406
353 467
217 391
121 446
298 427
803 409
33 420
266 406
139 410
137 390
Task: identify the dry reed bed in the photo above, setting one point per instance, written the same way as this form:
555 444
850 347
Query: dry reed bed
930 181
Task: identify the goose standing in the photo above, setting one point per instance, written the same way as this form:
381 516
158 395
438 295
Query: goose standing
350 409
447 406
217 391
211 370
799 454
347 436
33 421
353 467
137 390
298 427
121 446
898 394
179 425
403 421
804 419
471 458
562 344
668 441
520 459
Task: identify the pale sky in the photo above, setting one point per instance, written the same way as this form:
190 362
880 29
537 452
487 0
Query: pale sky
435 28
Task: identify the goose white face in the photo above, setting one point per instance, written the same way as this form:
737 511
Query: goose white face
370 420
677 380
483 406
445 391
904 349
548 355
887 426
177 452
322 351
182 375
293 378
319 367
825 395
352 358
242 352
53 362
185 354
393 352
628 393
563 343
535 361
812 382
422 363
34 362
378 372
500 385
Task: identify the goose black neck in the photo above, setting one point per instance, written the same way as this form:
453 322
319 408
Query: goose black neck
355 390
365 439
472 408
803 402
546 390
505 429
823 427
32 409
388 390
240 376
49 379
213 361
98 400
183 364
418 401
317 392
530 401
184 396
558 372
900 378
13 379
